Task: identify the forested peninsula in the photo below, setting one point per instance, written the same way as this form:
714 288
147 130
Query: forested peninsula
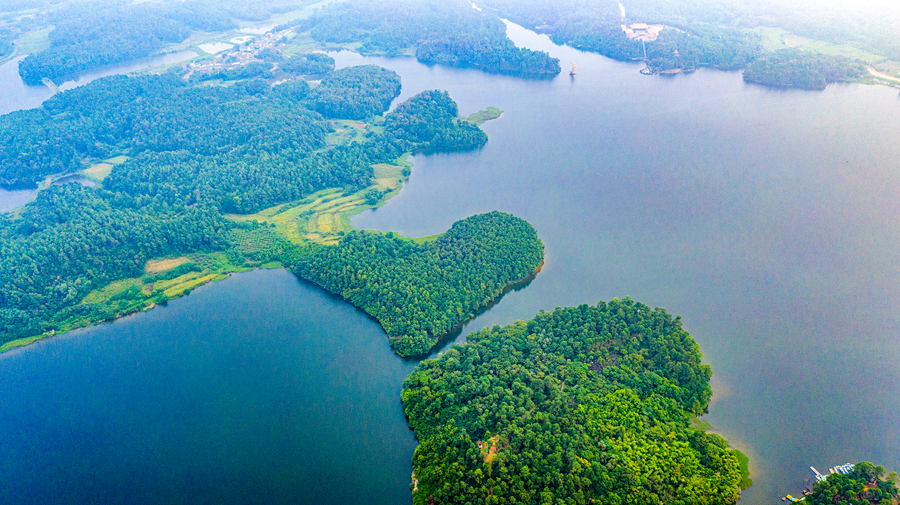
443 32
420 292
866 484
588 404
189 175
800 69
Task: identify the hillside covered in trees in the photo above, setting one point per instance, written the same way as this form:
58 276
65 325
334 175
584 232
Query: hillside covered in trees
443 32
88 35
802 69
420 292
588 404
193 154
864 485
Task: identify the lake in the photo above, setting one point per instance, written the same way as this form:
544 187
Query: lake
769 219
259 389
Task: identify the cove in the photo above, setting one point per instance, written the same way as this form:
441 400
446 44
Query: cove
259 389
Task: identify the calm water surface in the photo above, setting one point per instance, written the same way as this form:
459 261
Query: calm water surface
767 218
260 389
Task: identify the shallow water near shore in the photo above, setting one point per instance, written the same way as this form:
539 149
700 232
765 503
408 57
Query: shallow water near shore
769 219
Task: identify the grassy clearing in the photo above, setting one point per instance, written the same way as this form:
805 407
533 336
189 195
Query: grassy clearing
775 39
157 266
425 240
22 342
189 282
34 42
701 424
345 131
97 172
299 14
323 217
105 294
483 116
118 160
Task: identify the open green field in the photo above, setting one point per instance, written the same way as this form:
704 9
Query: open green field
97 172
34 42
775 39
323 217
483 116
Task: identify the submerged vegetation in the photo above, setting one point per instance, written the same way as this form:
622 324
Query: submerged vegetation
420 292
589 404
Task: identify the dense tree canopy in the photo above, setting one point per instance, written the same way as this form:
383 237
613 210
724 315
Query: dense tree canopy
194 153
865 485
589 404
71 241
355 92
419 292
802 69
306 64
446 32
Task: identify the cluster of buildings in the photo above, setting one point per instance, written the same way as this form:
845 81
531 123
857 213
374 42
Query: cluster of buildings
247 52
642 31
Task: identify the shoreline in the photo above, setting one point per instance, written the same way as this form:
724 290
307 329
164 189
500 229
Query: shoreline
344 209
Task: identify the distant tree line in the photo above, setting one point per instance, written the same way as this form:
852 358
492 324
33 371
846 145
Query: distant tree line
597 27
802 69
720 35
445 32
274 64
421 292
94 34
581 405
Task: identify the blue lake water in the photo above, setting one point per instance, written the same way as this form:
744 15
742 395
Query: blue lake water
259 389
769 219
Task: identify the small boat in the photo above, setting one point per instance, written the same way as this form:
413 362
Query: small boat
572 73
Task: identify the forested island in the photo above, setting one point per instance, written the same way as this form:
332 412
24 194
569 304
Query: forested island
588 404
420 292
180 164
866 484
